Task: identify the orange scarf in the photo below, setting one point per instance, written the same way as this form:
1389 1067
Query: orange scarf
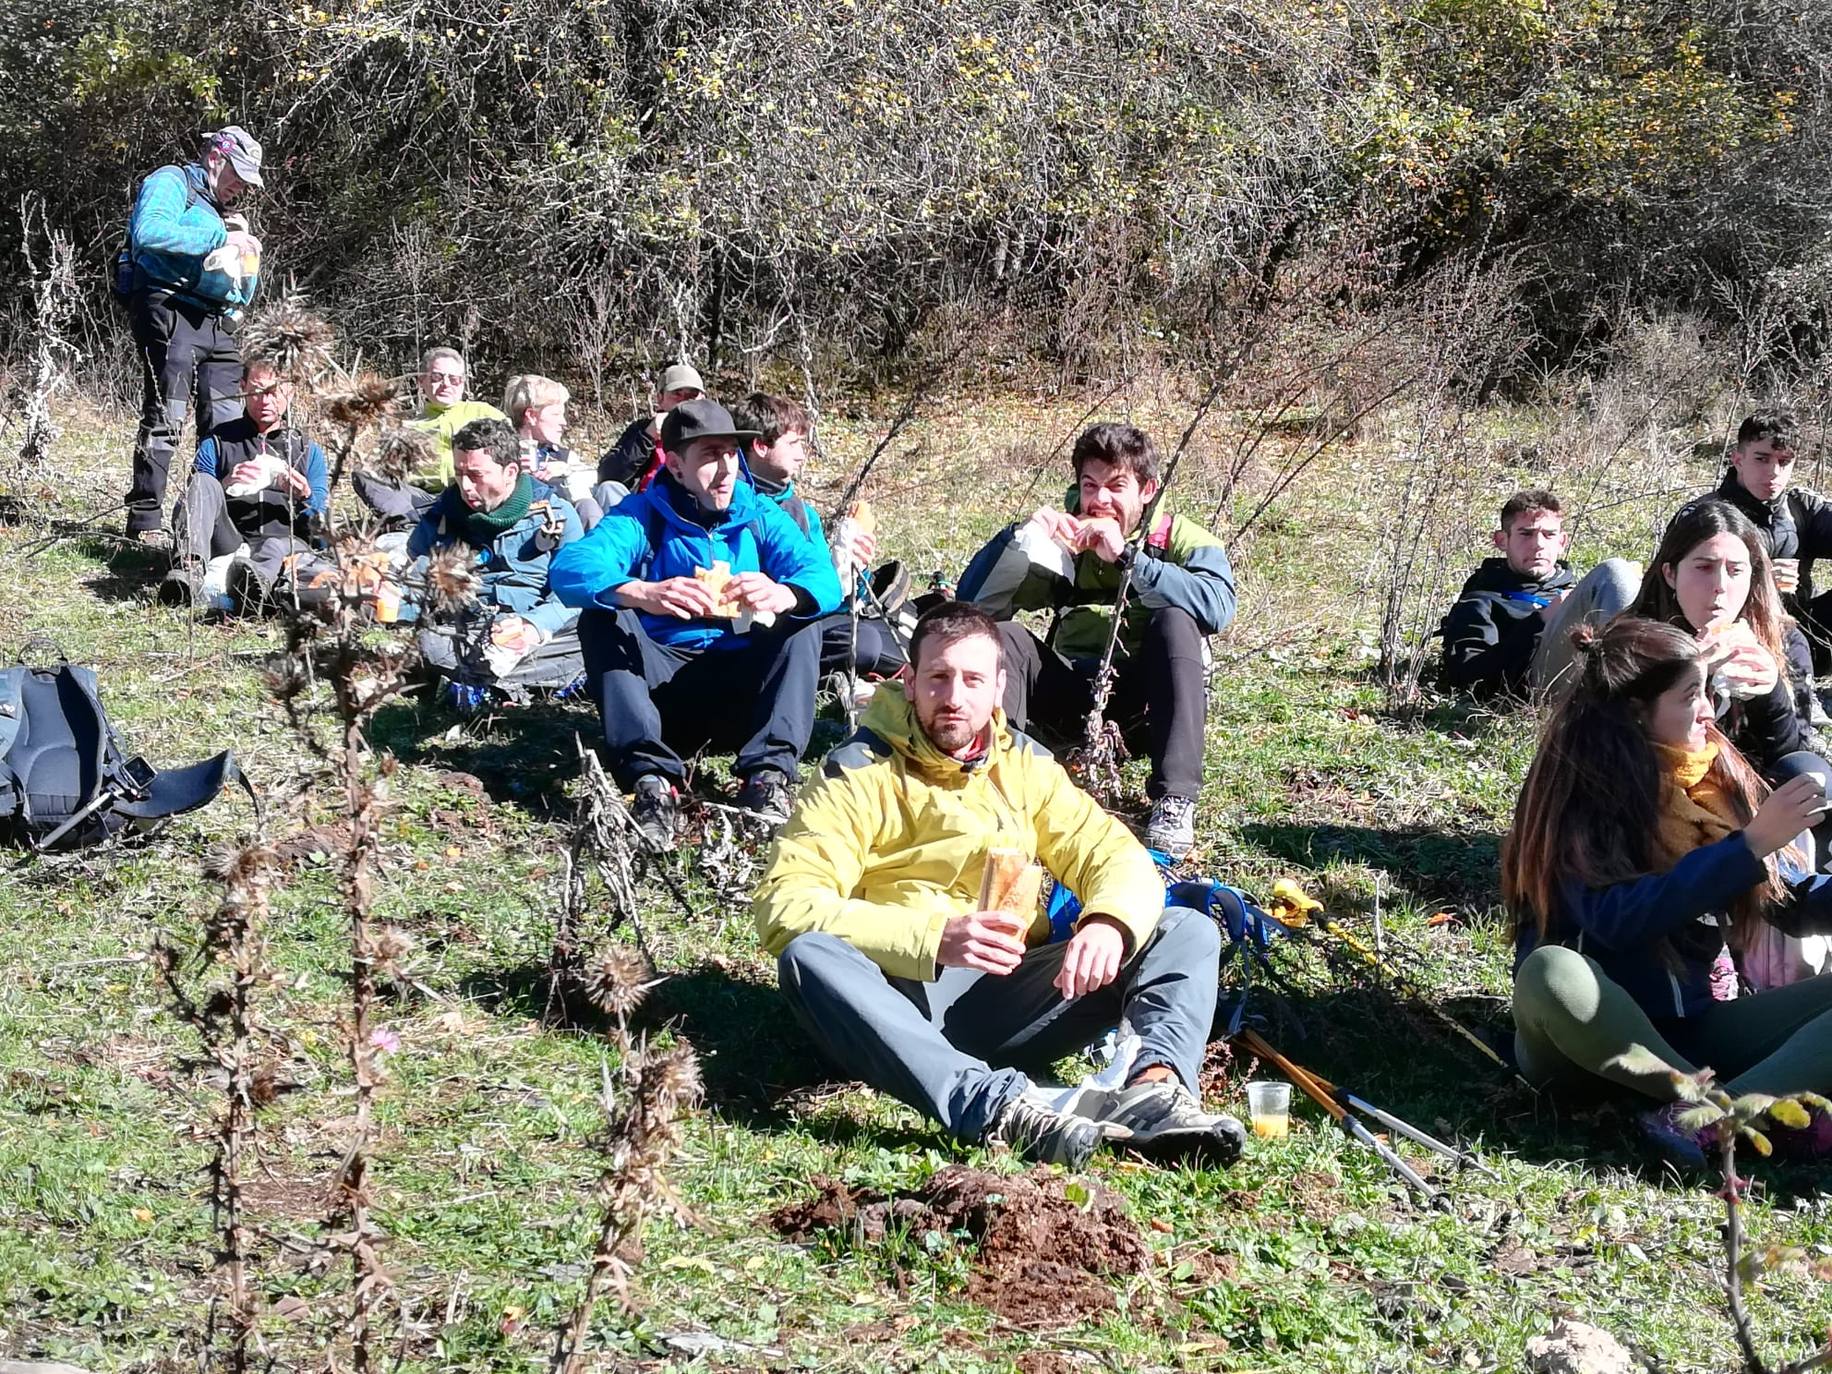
1694 810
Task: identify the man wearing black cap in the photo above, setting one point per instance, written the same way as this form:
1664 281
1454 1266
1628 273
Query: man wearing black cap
186 273
698 601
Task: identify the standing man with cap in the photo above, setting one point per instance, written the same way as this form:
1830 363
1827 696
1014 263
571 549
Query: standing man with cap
631 460
186 274
699 598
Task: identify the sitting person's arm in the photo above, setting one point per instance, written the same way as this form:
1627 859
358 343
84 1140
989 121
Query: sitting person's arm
425 536
1025 567
816 865
792 560
1638 911
1201 582
550 615
1485 652
1093 855
207 459
318 480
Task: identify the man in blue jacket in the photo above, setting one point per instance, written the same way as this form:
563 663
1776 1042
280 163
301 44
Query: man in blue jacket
698 601
517 635
187 275
257 484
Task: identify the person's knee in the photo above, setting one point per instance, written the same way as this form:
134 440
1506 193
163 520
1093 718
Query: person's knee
1193 934
1619 583
813 958
1556 981
1175 626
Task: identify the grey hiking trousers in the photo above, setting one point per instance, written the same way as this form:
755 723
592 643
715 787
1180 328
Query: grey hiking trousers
934 1045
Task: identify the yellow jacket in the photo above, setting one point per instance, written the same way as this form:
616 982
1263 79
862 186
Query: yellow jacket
890 840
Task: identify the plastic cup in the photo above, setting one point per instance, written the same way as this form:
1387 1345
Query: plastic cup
1269 1105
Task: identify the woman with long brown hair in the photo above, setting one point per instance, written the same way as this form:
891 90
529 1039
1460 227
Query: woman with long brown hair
1712 576
1643 846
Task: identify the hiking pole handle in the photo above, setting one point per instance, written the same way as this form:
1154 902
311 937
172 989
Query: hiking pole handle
104 794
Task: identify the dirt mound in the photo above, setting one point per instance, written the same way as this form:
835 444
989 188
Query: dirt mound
1046 1249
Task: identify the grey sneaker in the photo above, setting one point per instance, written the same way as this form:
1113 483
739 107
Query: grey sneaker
1172 827
1038 1133
768 793
656 806
1165 1123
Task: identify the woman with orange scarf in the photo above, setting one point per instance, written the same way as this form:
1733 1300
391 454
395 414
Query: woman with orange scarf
1644 848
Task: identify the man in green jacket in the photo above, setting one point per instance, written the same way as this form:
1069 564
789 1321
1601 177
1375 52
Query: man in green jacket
443 412
1070 562
871 905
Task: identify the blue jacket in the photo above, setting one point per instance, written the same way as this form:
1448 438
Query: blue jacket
236 443
175 226
805 516
1623 926
515 569
661 532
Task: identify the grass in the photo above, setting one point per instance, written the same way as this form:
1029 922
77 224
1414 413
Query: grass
1306 1256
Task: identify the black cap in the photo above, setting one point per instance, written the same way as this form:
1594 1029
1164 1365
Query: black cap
701 418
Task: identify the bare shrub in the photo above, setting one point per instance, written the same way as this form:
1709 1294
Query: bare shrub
1462 330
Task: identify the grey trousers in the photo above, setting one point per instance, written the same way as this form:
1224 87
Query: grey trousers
202 529
933 1045
552 664
1604 593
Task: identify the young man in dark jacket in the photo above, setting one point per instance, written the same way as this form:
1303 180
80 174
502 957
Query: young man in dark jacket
1796 523
631 460
1071 562
1509 631
699 598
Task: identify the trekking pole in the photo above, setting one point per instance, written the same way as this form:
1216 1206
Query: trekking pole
1393 1123
1350 1124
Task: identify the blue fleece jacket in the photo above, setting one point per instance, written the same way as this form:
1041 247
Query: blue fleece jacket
175 226
515 570
1623 925
237 442
661 532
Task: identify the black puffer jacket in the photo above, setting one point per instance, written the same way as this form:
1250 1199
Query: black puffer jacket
1494 627
1796 524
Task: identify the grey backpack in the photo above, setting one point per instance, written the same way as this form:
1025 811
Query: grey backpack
65 781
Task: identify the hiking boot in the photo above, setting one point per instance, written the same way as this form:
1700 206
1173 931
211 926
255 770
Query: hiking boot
656 806
1172 827
1038 1133
768 793
249 588
1687 1149
1162 1121
183 586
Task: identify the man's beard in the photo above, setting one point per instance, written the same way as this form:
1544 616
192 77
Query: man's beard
950 735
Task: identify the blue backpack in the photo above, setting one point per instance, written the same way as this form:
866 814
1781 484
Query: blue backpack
1249 929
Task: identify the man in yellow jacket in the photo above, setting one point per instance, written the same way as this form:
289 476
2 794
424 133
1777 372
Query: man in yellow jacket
869 905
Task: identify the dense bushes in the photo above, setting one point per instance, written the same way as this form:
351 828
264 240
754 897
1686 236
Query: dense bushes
605 181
